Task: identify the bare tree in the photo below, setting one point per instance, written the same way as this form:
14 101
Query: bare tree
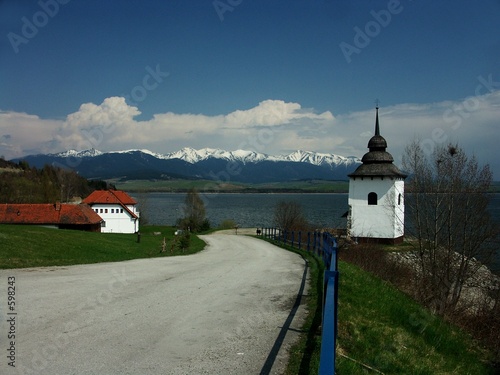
194 213
143 206
447 198
288 215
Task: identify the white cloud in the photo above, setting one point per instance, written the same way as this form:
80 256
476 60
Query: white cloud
112 111
271 113
272 127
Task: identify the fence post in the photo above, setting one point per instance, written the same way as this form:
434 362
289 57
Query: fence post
330 307
315 247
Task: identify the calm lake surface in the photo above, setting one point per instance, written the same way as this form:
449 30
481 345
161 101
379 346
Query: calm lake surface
247 210
257 210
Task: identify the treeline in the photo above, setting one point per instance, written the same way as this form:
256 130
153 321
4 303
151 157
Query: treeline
20 183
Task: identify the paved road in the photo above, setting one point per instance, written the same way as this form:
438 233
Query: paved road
221 311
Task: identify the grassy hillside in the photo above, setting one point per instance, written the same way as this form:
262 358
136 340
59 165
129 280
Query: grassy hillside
31 246
381 328
382 331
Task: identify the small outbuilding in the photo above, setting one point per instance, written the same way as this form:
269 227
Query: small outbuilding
57 215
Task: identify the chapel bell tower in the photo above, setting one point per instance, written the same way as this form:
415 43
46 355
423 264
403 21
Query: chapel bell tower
376 190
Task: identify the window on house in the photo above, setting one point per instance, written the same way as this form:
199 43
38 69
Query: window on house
103 224
101 210
105 210
121 211
372 199
399 199
112 210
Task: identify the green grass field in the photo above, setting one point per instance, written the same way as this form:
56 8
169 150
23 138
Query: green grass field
32 246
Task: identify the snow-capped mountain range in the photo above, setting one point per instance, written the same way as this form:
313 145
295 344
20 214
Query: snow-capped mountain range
206 163
194 156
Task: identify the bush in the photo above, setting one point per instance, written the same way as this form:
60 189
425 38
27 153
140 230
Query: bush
376 260
184 240
227 224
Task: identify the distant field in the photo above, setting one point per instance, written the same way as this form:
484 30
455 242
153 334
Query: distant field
495 187
310 186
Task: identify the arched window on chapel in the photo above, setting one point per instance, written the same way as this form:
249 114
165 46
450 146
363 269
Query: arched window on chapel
372 199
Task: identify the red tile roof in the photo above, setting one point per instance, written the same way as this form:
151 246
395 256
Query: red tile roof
112 197
109 197
48 214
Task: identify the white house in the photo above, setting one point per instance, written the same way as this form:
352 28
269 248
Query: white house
117 210
376 192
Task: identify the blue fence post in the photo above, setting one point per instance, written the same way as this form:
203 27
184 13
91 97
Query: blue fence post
316 243
329 330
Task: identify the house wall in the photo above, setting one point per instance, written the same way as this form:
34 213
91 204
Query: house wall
384 220
117 219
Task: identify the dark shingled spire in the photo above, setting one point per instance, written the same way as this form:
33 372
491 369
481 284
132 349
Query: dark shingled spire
377 161
377 142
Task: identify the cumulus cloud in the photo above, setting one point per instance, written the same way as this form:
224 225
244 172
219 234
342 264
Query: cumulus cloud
272 126
271 113
112 111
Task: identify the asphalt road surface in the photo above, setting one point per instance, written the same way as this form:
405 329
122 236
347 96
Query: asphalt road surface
232 309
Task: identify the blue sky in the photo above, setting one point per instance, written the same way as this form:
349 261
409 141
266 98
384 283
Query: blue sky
272 76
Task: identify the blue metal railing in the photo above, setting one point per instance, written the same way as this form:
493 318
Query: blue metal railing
330 304
324 245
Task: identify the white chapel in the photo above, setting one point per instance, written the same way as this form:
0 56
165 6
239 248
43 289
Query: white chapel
376 195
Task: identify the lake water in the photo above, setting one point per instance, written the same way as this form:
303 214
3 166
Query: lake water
247 210
257 210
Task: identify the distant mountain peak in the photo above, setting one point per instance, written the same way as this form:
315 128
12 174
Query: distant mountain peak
193 156
207 163
79 154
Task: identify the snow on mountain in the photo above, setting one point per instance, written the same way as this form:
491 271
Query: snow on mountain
193 156
144 151
79 154
318 158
